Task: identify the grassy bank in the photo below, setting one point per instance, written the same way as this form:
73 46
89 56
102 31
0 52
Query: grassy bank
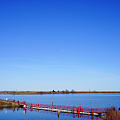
8 103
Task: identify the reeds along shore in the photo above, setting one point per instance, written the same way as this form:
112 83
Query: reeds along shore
112 114
52 92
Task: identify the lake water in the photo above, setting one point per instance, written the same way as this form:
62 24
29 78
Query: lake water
84 100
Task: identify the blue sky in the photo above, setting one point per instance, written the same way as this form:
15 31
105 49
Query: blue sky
60 44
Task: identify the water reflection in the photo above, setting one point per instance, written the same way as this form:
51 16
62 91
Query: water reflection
45 115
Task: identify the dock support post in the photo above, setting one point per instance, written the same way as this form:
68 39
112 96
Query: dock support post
58 114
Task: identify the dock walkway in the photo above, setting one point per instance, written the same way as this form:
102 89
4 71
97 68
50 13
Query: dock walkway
65 109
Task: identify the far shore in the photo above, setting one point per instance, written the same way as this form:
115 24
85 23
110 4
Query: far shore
52 92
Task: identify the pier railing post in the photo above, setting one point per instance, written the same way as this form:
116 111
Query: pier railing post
92 111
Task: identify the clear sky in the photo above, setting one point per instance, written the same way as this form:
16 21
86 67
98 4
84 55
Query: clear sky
60 44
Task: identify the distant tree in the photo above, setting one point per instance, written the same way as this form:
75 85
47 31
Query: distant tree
62 91
72 91
53 91
67 91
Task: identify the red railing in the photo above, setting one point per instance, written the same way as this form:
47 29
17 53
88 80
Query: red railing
68 108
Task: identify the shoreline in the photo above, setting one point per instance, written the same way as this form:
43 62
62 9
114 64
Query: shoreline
52 92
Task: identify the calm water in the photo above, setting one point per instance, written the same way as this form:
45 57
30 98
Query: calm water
84 100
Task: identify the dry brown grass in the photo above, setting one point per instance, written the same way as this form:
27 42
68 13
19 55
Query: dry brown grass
6 103
112 114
